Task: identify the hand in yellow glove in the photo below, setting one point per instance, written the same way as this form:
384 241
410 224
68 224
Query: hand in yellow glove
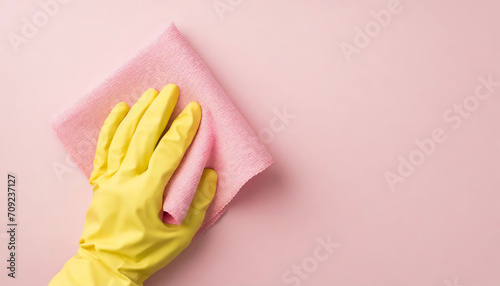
124 241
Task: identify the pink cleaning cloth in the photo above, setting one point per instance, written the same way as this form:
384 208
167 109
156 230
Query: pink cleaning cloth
224 142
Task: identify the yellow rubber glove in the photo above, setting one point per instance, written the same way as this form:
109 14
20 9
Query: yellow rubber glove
124 240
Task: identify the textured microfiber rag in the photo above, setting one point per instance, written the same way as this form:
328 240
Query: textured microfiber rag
224 141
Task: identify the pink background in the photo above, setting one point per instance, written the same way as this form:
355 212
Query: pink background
352 122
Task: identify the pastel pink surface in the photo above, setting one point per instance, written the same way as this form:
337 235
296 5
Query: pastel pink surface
223 142
353 121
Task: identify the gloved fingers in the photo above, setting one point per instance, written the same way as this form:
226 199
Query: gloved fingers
105 137
150 128
125 131
201 201
172 146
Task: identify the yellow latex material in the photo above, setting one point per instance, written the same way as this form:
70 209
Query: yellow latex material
124 240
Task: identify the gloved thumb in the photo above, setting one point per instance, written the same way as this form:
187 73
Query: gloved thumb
201 201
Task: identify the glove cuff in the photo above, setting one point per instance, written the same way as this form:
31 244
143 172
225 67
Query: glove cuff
83 270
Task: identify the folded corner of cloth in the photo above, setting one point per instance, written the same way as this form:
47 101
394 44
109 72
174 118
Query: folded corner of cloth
224 142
